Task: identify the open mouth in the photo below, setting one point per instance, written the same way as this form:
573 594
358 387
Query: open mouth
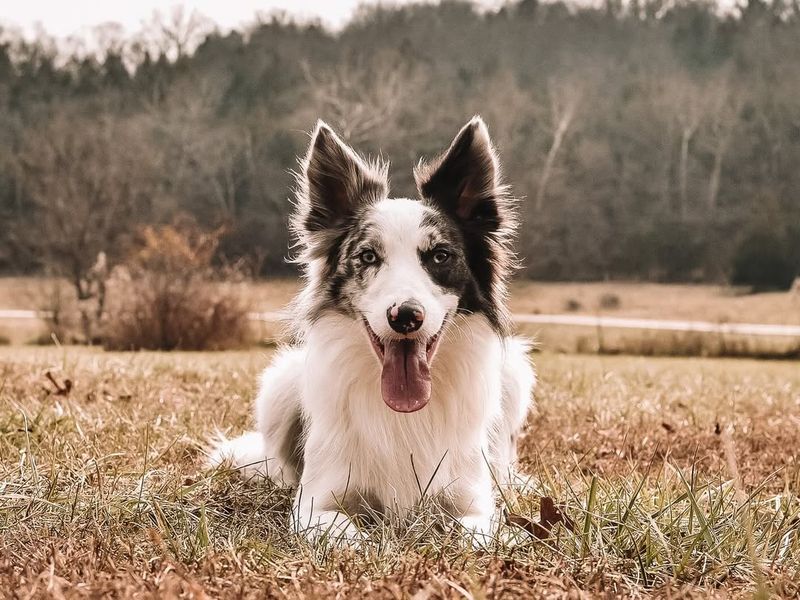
405 373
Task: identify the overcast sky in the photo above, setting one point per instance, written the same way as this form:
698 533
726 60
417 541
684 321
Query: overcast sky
63 18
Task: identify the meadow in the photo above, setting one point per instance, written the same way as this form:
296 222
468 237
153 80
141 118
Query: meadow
649 141
644 477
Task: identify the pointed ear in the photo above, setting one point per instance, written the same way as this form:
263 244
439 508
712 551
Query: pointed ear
335 181
465 180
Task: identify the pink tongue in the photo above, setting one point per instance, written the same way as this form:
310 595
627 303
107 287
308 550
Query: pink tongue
406 378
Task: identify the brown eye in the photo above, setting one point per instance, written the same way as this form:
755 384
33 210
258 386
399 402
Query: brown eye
440 257
368 257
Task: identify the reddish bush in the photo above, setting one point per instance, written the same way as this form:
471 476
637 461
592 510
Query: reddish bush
170 296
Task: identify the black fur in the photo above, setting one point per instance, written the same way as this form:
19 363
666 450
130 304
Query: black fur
466 273
464 184
337 182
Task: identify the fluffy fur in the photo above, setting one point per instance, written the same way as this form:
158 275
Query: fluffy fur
362 413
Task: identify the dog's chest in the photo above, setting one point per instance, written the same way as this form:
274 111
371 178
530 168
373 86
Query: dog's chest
395 456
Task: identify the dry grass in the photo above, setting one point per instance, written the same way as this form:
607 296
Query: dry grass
102 492
609 340
717 304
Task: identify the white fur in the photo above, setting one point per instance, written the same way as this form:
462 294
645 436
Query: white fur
247 453
356 448
402 277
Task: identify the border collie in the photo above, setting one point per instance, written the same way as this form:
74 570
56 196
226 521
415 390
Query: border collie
404 374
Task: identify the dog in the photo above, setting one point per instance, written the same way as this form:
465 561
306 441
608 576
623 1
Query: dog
404 374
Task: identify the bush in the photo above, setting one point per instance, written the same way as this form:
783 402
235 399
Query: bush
763 261
572 305
62 315
610 301
169 296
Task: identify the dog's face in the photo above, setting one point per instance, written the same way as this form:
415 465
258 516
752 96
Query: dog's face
403 269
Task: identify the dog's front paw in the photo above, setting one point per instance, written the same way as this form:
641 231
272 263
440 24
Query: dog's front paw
333 528
478 530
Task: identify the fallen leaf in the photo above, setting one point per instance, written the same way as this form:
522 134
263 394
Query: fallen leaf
549 515
61 389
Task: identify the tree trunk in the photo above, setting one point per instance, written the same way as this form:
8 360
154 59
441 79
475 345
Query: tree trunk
562 126
548 166
716 174
666 179
686 138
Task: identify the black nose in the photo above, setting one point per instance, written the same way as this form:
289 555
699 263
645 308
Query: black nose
407 317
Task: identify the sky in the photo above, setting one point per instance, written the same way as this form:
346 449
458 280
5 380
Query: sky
63 18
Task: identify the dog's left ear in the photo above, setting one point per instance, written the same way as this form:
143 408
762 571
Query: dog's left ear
465 180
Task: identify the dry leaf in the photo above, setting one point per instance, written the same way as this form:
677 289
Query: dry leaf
550 515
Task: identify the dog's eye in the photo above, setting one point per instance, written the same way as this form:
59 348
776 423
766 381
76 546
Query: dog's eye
368 257
441 256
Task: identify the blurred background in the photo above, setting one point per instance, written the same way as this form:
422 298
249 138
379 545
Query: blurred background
145 165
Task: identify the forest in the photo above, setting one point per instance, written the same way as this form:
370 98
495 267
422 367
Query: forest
651 140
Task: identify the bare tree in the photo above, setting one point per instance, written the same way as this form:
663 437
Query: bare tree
363 98
659 115
565 98
689 107
177 34
201 158
724 106
86 184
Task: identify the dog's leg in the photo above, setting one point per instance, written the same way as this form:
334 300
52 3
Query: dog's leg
474 498
519 380
279 415
332 525
321 506
473 503
275 449
328 492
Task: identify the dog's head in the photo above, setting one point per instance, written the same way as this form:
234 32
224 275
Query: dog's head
403 269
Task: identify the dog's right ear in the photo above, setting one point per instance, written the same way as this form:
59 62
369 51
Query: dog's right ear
335 181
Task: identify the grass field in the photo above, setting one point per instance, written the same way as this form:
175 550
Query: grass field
678 478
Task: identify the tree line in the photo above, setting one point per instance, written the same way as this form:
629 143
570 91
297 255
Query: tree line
655 140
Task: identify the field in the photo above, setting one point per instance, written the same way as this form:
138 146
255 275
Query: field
675 478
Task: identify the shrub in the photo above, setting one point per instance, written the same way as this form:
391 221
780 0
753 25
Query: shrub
610 301
763 261
170 296
572 305
62 312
